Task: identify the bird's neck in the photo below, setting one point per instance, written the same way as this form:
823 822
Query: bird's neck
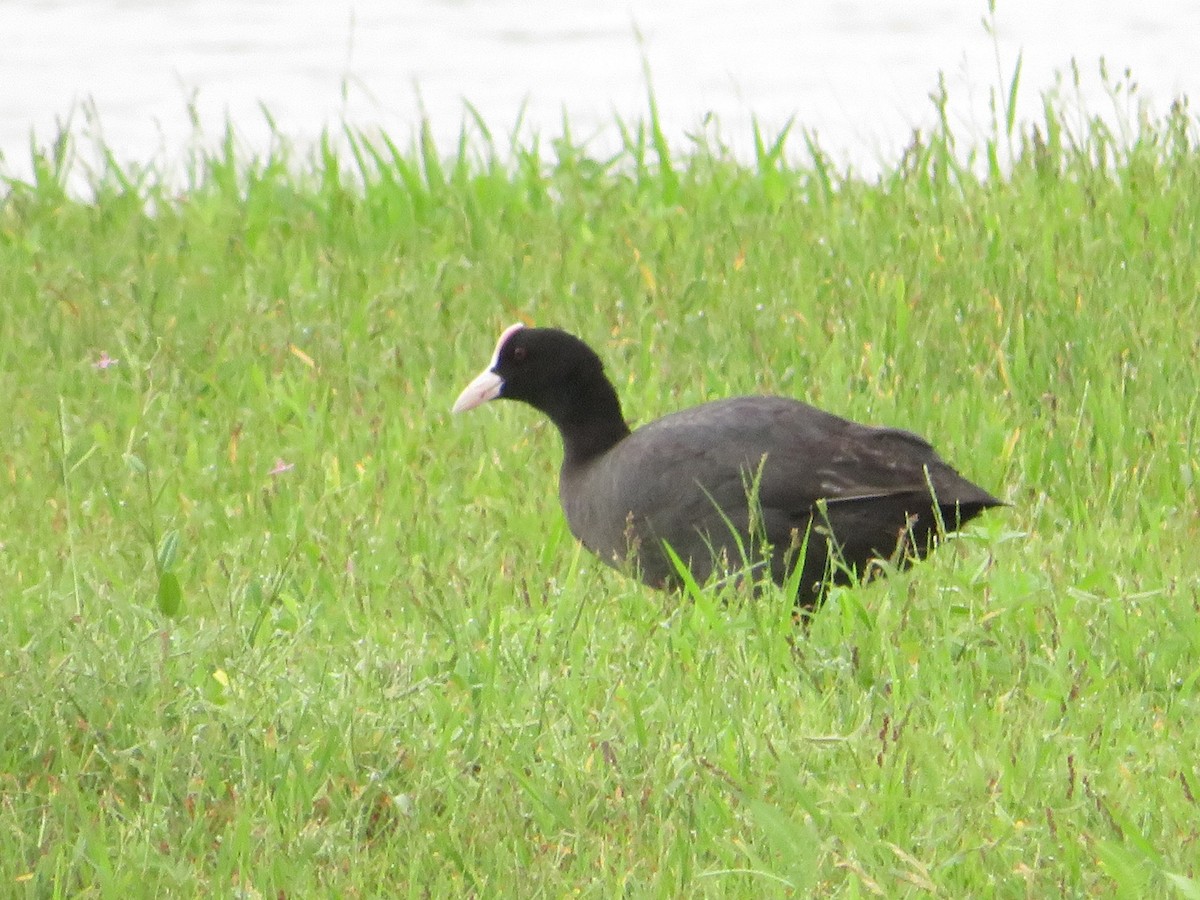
590 421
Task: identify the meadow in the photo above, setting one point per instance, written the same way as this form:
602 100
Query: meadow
275 624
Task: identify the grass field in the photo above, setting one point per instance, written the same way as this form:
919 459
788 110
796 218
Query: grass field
276 625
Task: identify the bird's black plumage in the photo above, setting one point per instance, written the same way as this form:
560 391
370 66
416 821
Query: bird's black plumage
744 480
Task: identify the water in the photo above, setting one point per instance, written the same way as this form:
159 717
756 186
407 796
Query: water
857 72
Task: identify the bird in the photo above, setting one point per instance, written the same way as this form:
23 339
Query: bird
752 485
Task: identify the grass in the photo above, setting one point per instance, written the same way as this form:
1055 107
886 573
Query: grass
275 624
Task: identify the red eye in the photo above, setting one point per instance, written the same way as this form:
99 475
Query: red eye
519 354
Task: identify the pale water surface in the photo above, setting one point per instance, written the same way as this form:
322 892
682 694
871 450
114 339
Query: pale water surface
856 72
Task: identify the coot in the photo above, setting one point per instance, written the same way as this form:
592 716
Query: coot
750 480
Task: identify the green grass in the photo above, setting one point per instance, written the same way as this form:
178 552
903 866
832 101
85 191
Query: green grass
389 671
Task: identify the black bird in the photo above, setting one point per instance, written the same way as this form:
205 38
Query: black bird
765 480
